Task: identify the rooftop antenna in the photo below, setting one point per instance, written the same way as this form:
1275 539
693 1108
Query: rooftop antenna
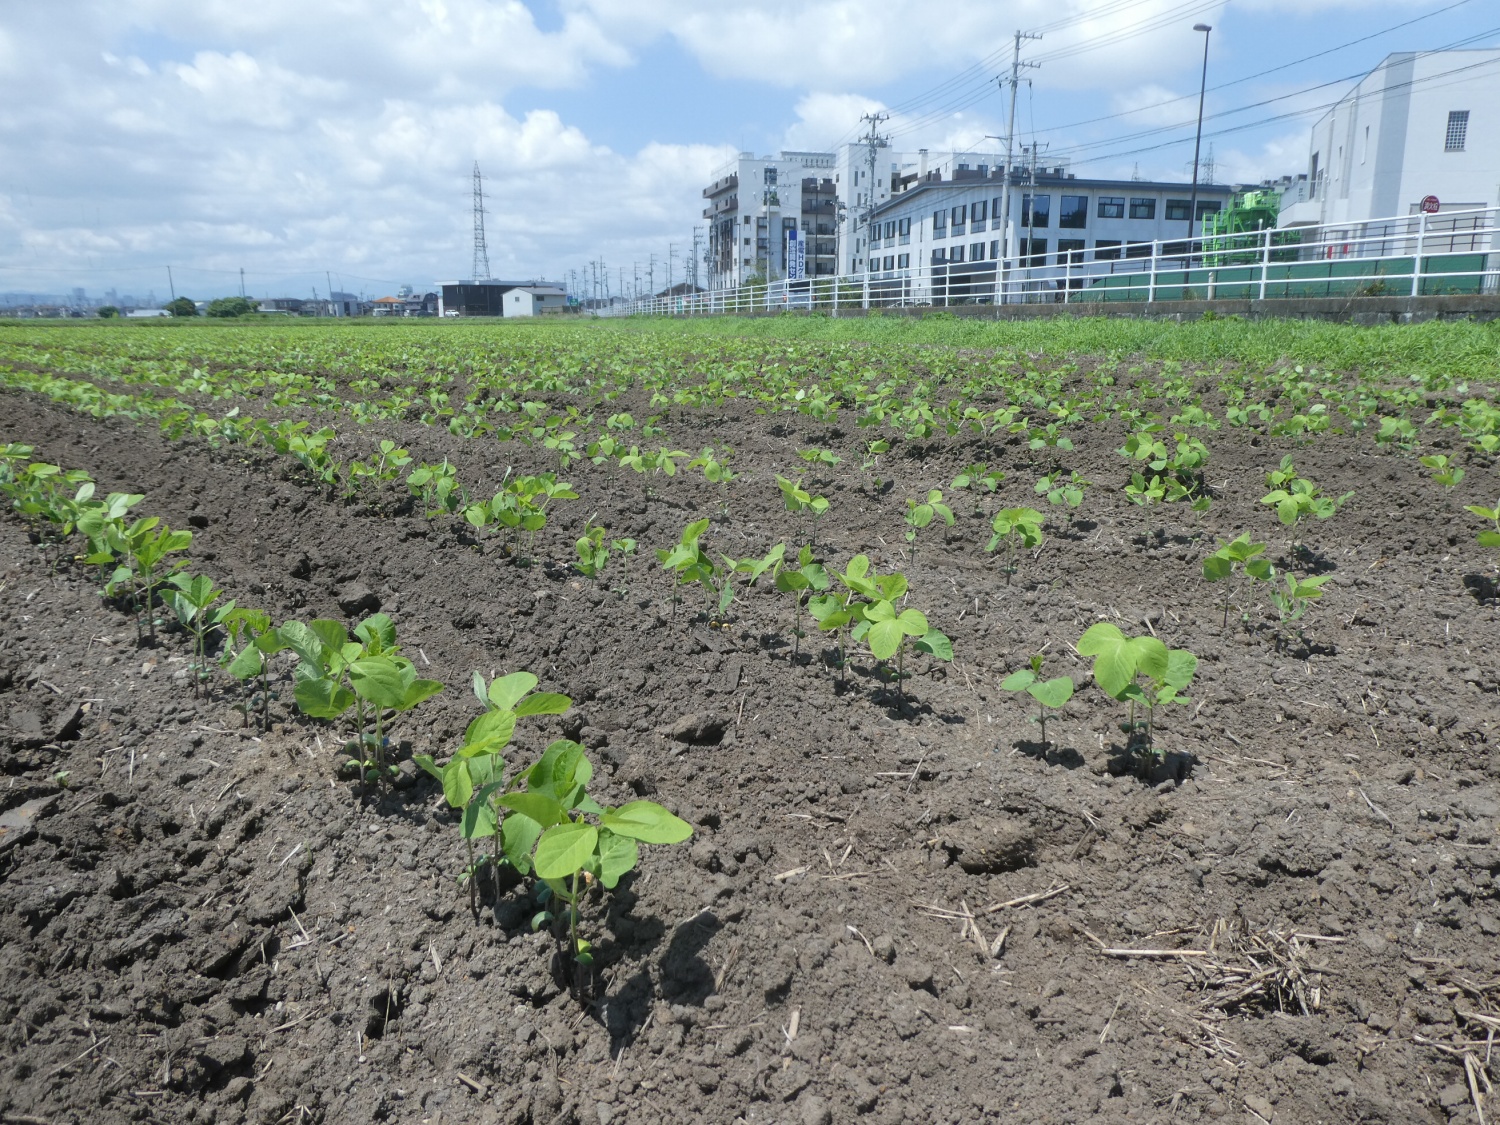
481 252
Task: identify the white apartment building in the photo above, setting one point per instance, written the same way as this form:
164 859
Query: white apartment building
1420 124
754 200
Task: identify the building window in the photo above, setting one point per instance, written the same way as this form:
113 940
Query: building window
747 242
1138 249
1074 212
976 252
940 224
979 211
939 257
995 249
890 262
1106 249
956 254
1458 131
1142 208
1208 207
1111 206
960 214
1178 210
1035 213
1035 251
1070 251
890 228
903 261
903 226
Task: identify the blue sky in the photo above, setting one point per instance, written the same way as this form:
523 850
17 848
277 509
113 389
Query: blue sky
299 141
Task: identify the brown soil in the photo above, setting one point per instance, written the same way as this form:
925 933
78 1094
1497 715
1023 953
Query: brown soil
200 924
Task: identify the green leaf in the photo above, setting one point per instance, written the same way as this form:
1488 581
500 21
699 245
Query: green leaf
458 786
1216 567
885 638
417 691
425 761
378 632
248 663
936 644
322 698
518 835
913 623
506 691
1489 538
332 633
1018 681
648 822
1053 693
540 807
492 726
543 703
617 856
1181 667
563 849
379 680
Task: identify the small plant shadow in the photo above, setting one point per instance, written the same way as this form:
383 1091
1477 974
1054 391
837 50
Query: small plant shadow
1174 766
1484 589
1051 753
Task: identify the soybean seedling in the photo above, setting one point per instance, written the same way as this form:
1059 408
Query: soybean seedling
594 552
797 582
978 476
1242 555
1121 662
148 549
250 631
1052 693
337 672
1295 497
1063 492
571 841
888 630
1015 528
1488 538
438 488
798 499
689 563
921 514
192 600
474 776
1444 471
1293 602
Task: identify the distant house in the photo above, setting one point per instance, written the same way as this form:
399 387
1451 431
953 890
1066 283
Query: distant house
535 300
386 306
142 313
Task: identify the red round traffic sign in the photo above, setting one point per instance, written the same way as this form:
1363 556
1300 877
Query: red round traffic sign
1429 205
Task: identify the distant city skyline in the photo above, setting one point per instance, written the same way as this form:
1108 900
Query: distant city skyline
333 144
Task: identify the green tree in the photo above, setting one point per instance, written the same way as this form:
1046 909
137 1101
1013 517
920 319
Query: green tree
182 306
230 306
107 312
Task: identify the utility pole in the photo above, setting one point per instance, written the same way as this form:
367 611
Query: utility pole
696 255
1031 208
651 273
1010 137
873 142
242 282
171 287
671 260
327 276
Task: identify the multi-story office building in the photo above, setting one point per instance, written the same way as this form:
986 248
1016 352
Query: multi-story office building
1420 124
940 221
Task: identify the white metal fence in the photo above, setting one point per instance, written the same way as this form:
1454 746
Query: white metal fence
1451 252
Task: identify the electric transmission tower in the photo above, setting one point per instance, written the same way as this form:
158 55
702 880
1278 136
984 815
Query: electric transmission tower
481 252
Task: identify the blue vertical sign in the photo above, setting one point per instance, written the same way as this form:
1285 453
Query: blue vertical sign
796 256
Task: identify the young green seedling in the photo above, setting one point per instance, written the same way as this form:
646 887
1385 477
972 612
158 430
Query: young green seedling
1120 662
572 840
798 499
192 599
979 476
1052 693
806 577
1488 538
1300 592
1016 528
1242 555
920 514
1063 492
148 549
1295 497
250 631
689 563
1444 471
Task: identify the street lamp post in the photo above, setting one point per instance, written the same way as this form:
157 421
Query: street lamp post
1198 142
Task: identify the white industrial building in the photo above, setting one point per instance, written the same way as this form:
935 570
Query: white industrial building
960 220
1421 124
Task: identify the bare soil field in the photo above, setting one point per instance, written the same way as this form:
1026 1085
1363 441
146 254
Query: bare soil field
899 903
